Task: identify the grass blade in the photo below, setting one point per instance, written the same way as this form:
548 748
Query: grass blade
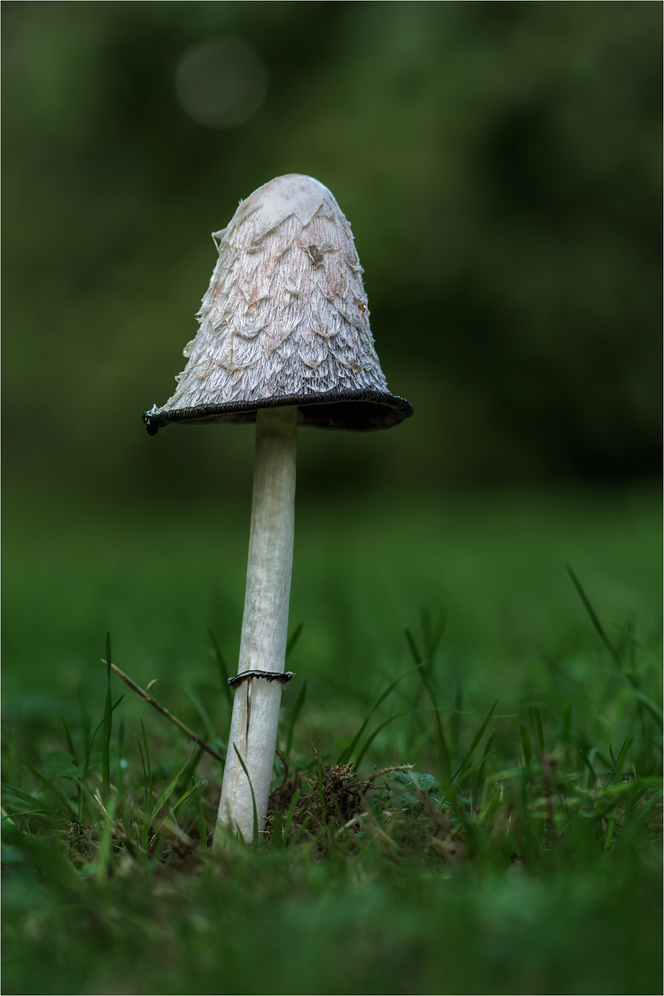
592 777
94 737
539 729
200 819
203 713
253 799
376 732
295 636
417 657
223 669
455 721
433 634
183 798
276 828
108 726
149 782
51 786
168 791
290 814
526 745
119 773
474 767
29 799
622 756
297 708
614 763
70 742
478 736
651 706
191 772
439 736
593 616
319 772
347 753
145 773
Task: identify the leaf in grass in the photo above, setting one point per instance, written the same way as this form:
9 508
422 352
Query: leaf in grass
420 782
424 781
62 764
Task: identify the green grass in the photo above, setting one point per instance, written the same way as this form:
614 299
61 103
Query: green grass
521 852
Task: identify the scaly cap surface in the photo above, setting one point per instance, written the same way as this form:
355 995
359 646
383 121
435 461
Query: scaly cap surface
285 320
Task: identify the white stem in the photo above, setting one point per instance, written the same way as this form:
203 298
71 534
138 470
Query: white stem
264 624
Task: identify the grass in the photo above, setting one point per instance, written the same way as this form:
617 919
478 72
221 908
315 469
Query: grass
468 794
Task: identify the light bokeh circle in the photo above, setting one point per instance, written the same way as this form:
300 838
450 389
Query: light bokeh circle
221 82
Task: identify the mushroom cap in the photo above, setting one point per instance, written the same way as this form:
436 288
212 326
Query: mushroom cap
284 321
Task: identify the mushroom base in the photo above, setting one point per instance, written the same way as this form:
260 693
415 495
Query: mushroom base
253 739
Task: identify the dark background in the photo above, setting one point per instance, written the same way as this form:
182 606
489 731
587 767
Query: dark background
500 166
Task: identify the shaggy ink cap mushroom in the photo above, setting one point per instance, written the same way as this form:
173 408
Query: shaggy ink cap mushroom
284 340
285 321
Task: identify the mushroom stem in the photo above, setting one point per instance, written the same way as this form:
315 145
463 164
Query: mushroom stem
264 624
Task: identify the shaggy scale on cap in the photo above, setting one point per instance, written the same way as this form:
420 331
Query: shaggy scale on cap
285 321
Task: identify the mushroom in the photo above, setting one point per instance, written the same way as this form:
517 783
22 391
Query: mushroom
284 340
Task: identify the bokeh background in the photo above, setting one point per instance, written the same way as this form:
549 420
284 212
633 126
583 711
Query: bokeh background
499 163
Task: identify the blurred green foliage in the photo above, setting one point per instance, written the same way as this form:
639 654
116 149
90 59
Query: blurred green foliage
545 875
514 625
499 163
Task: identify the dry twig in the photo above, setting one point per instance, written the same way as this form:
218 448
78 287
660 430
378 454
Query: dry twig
142 694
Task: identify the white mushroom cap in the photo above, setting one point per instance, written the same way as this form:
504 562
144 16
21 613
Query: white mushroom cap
285 320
